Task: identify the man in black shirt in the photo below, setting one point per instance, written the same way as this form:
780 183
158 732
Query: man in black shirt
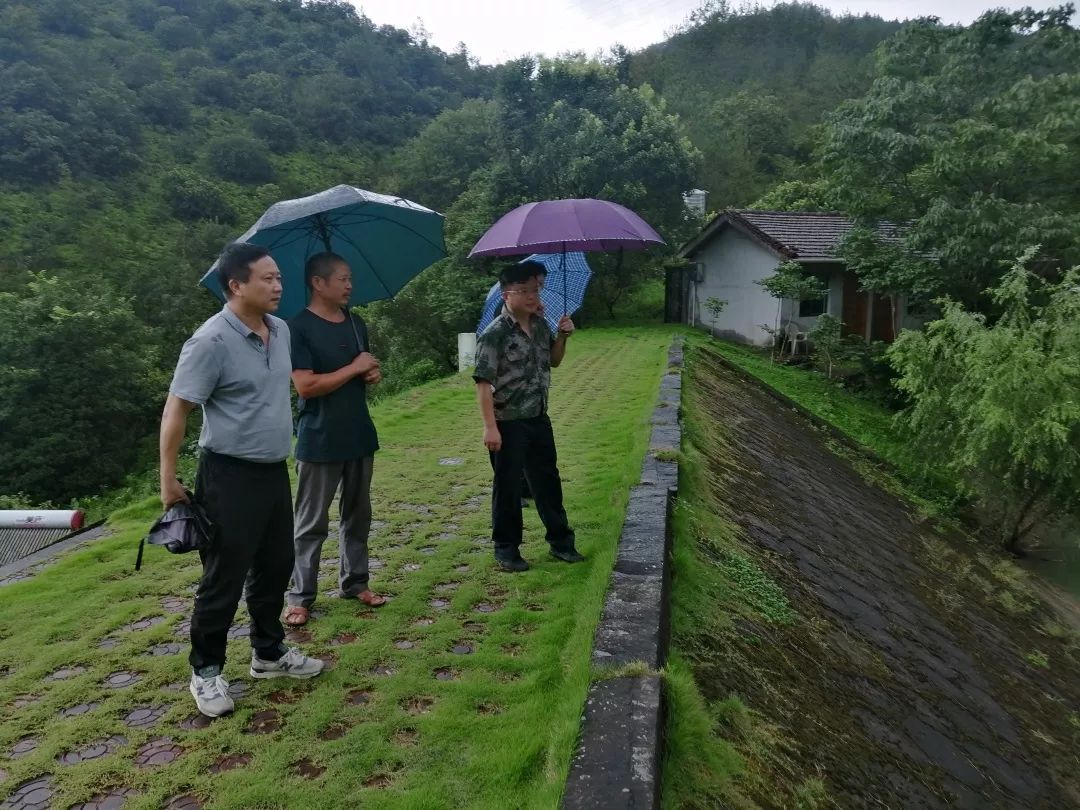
336 439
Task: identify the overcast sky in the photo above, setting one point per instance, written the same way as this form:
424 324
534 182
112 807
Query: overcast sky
498 30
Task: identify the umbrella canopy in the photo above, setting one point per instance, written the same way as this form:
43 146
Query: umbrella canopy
385 240
571 274
554 226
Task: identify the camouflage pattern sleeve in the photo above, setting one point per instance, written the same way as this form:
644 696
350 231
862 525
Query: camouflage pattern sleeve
487 356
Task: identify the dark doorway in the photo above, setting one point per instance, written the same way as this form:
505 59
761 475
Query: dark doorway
854 307
676 294
881 327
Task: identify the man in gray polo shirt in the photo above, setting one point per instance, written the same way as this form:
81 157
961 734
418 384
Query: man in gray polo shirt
237 367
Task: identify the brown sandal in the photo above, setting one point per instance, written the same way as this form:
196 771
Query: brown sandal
295 616
371 599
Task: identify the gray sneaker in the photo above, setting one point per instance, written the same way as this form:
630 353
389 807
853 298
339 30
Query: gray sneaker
293 664
211 695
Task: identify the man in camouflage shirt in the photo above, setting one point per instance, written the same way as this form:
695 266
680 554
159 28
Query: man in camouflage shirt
514 356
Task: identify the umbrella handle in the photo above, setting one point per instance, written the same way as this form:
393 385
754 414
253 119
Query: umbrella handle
562 267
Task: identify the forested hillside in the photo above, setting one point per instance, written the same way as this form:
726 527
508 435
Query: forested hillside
749 85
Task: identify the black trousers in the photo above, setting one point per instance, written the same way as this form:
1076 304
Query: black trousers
250 503
527 445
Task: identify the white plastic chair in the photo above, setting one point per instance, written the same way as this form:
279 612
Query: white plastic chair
794 337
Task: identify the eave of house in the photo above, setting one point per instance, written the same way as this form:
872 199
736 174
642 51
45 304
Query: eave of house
730 218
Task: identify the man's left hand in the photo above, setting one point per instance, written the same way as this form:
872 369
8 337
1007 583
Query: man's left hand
373 376
566 326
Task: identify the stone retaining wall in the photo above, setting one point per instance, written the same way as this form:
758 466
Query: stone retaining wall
617 761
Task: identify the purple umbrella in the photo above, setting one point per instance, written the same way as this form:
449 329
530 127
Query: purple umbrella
555 226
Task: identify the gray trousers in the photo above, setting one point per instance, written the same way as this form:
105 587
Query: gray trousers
317 483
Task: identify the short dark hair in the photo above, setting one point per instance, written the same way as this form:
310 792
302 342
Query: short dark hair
519 273
321 265
535 267
234 263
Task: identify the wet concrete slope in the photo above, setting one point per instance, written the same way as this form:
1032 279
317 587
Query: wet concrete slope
912 678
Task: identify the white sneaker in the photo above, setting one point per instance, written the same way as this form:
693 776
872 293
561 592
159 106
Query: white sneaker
211 695
293 664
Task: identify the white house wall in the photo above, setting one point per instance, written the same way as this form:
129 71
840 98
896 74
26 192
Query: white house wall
733 263
835 307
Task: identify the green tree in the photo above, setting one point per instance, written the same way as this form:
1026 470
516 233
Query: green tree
967 134
277 132
142 69
714 306
24 87
798 195
214 86
416 330
191 197
91 135
165 104
585 135
826 342
239 158
176 33
322 106
435 166
31 147
189 59
266 91
997 404
106 135
749 137
145 14
78 380
64 18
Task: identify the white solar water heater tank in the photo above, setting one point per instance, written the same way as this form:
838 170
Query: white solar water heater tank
41 519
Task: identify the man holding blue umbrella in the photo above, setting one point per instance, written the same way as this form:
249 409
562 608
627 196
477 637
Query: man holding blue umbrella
514 357
569 275
564 280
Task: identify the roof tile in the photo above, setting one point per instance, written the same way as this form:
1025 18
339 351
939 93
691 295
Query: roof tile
810 235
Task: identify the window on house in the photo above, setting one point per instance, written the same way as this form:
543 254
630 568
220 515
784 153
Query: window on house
812 307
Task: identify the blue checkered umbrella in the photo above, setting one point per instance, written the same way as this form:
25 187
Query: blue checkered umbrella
564 289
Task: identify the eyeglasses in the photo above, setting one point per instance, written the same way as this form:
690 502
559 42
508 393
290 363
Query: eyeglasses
533 293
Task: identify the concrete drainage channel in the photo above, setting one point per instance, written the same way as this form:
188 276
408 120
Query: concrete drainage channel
617 761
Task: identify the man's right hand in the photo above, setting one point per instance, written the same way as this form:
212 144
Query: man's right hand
364 362
492 439
172 492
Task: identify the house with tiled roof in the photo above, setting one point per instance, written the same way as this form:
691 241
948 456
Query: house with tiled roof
741 247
